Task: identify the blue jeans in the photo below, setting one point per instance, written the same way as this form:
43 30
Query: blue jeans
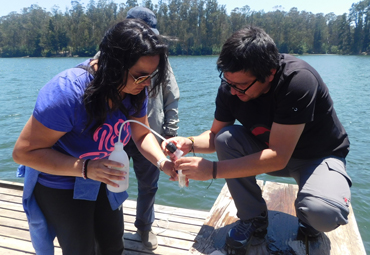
324 186
147 176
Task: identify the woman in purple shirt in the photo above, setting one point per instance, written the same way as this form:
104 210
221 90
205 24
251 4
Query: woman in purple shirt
66 143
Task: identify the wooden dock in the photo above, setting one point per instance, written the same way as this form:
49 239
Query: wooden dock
282 236
176 227
184 231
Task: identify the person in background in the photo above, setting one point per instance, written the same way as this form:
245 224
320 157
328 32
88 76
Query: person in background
66 143
288 128
163 118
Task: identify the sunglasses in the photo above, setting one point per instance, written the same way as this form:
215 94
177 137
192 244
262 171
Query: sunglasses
235 87
141 79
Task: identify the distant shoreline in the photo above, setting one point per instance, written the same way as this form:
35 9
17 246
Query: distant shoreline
293 54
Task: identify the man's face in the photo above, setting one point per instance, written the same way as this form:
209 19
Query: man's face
246 86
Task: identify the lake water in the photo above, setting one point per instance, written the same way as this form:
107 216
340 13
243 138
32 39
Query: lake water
346 76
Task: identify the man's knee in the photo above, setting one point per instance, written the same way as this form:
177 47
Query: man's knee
236 141
222 137
321 214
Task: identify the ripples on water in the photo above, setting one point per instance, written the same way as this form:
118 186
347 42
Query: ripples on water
346 76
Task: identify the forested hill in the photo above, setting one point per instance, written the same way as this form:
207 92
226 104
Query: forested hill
196 27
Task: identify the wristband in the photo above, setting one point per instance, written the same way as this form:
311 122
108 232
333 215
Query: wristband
214 172
192 145
160 162
84 168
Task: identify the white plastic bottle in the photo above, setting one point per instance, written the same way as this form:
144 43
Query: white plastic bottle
180 175
119 155
178 153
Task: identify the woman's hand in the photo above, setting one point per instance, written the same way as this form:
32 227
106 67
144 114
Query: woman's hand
103 170
168 167
195 168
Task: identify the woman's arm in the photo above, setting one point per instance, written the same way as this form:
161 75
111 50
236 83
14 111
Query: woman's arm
33 149
149 147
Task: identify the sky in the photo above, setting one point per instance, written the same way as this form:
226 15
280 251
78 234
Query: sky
315 6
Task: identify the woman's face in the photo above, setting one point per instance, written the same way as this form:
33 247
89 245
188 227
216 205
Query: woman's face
145 66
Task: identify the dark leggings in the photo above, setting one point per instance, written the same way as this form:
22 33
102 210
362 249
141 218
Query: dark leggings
82 227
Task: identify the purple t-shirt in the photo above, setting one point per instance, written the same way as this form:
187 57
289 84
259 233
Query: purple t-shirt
59 106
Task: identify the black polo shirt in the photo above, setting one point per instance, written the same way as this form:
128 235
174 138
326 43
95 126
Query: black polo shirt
298 95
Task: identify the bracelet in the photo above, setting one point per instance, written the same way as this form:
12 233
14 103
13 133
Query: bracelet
192 145
214 172
160 162
84 168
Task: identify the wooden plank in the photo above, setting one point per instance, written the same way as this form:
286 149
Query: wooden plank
283 223
6 251
280 197
16 244
165 228
13 214
283 236
13 223
180 227
189 213
11 185
345 240
11 198
222 217
10 191
280 201
11 206
15 233
166 245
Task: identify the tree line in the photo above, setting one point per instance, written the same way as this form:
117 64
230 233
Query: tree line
191 27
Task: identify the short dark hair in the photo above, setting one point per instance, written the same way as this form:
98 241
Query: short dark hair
249 49
120 49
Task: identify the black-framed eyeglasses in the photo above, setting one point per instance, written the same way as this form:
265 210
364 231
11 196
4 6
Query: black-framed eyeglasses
235 87
141 79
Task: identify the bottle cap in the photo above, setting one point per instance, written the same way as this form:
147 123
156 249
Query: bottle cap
171 147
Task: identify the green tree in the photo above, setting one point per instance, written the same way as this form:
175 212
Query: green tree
345 35
366 30
191 27
320 37
48 40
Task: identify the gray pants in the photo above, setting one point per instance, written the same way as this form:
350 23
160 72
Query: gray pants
324 186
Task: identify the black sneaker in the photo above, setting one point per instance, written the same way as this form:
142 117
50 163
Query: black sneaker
307 230
245 233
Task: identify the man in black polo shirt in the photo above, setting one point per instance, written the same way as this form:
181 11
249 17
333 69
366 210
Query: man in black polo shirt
288 128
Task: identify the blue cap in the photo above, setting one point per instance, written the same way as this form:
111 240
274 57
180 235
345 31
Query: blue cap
144 14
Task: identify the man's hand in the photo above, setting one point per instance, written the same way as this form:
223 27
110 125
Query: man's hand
195 168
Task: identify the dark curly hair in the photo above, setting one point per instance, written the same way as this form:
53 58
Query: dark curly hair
249 49
120 49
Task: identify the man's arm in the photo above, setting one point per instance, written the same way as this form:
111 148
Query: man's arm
283 140
204 143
